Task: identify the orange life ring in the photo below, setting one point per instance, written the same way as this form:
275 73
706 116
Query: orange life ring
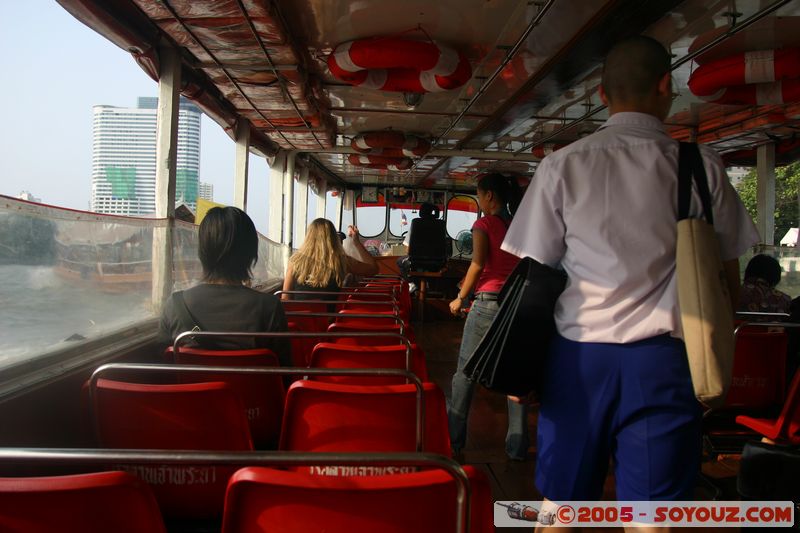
544 150
400 65
390 144
380 162
764 77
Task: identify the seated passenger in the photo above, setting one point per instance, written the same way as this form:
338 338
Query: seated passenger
758 293
321 264
228 249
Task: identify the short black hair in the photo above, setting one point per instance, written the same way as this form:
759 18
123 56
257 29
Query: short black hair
228 247
764 267
633 68
428 210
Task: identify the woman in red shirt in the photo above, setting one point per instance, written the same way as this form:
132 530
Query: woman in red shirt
498 197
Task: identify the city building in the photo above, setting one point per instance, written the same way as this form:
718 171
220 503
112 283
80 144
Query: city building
124 157
205 191
28 197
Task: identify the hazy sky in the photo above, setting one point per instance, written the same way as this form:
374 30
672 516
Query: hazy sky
54 69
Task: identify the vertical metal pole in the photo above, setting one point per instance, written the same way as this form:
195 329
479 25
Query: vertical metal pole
288 207
322 199
169 82
302 207
765 169
241 164
275 215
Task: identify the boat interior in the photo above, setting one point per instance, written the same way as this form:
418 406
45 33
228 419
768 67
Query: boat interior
274 74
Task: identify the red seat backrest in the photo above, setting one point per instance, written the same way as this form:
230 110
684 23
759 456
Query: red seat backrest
331 417
759 368
196 416
262 396
83 503
361 308
333 355
422 502
366 325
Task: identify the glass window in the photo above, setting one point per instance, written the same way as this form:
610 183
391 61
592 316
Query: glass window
371 217
462 212
311 214
332 199
347 211
400 217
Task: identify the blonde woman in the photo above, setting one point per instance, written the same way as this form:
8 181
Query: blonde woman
321 263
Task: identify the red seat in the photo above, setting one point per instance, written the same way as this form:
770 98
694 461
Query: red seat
262 395
84 503
759 368
332 355
360 308
757 386
262 499
786 428
197 416
331 417
352 325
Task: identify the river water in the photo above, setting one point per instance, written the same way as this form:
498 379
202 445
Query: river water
39 310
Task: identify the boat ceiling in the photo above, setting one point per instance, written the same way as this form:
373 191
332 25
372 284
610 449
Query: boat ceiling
535 72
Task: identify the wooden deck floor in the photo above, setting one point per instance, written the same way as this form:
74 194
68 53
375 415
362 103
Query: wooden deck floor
487 425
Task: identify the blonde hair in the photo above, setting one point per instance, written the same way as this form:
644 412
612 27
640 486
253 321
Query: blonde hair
321 259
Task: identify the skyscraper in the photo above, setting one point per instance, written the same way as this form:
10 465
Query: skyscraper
205 191
124 157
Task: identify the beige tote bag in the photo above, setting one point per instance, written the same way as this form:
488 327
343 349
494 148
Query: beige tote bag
705 303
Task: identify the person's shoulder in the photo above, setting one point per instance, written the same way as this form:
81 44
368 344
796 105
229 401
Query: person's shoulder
482 223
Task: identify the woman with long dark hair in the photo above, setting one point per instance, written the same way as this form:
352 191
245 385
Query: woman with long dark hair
498 198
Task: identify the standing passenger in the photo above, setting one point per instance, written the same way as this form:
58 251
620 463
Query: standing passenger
228 250
498 197
617 380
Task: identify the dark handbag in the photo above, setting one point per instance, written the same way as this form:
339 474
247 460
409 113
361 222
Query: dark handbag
510 355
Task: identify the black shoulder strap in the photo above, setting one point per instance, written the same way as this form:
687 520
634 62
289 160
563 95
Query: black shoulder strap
184 314
690 162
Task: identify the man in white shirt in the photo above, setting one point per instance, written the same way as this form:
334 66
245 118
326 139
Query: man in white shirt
604 208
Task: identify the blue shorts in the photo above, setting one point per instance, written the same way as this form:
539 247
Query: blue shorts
633 403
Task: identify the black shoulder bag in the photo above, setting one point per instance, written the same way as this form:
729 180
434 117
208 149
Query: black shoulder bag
510 356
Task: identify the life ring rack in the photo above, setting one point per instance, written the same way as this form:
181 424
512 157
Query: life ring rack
399 65
390 144
380 162
763 77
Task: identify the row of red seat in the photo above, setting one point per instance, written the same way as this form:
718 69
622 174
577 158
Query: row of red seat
342 413
259 499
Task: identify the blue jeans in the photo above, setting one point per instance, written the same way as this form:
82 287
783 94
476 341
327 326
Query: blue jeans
517 441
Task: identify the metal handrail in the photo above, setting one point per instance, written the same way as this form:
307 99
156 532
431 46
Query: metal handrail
99 457
394 305
341 334
392 296
765 324
395 316
280 371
